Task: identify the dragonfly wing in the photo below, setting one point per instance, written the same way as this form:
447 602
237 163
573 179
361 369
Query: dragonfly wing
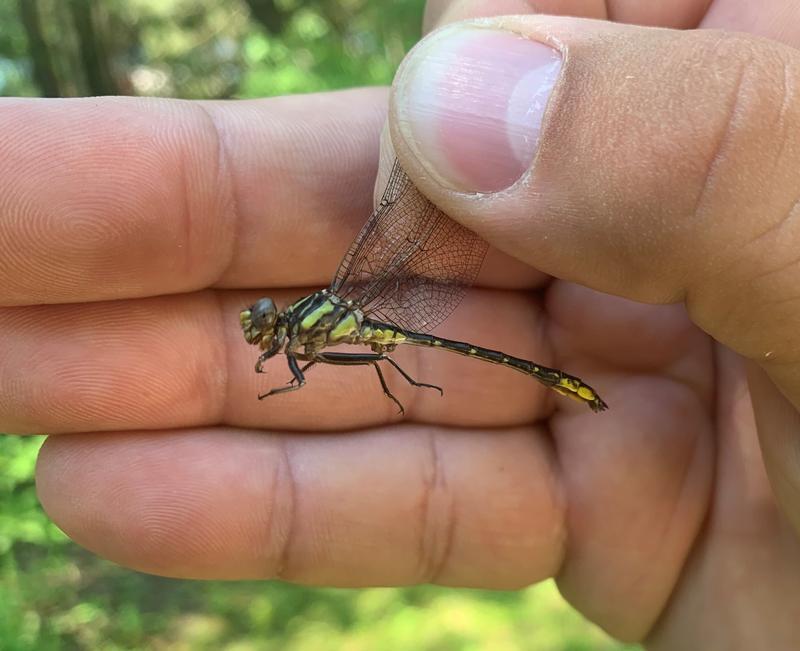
411 264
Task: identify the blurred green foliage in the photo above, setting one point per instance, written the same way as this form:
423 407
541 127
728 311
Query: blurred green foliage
201 48
53 595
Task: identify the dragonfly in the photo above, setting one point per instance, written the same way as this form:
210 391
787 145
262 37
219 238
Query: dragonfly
405 273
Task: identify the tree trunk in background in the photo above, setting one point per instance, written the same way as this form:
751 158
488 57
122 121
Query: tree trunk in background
93 58
268 14
43 72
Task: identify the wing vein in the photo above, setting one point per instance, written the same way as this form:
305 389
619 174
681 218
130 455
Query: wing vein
411 264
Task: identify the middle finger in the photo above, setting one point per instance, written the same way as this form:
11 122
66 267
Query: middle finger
181 361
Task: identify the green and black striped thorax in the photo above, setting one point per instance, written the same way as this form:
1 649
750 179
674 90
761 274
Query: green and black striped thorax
314 322
322 319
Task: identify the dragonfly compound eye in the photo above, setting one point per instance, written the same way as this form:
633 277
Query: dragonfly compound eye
258 321
263 314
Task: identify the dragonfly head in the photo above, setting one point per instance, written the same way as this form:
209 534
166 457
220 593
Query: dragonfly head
258 322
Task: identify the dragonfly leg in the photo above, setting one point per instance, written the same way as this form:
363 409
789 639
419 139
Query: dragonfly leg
333 358
361 359
303 369
298 377
358 359
263 357
385 387
410 379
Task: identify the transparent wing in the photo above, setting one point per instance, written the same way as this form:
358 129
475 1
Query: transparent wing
411 264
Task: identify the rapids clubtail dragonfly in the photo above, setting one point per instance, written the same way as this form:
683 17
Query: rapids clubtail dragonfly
404 274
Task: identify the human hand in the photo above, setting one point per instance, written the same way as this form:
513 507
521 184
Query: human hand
666 171
133 232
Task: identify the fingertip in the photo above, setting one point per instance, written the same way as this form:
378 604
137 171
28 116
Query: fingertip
181 504
109 197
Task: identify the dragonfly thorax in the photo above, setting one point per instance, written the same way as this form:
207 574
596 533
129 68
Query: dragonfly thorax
320 320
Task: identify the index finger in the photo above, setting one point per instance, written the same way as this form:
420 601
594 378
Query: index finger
109 198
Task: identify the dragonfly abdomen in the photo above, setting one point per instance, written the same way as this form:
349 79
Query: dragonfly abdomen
382 334
566 385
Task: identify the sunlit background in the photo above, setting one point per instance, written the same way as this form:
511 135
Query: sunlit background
53 595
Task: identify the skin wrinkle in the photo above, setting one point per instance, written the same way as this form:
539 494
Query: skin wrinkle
719 153
792 297
689 379
787 219
695 540
783 223
223 412
220 377
663 612
559 533
185 215
718 156
787 265
700 541
786 103
227 182
662 620
767 304
280 570
774 228
783 473
438 524
735 260
780 474
552 452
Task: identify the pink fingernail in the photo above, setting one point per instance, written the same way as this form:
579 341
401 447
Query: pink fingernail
470 103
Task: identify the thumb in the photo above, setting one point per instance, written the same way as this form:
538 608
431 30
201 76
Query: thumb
653 164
